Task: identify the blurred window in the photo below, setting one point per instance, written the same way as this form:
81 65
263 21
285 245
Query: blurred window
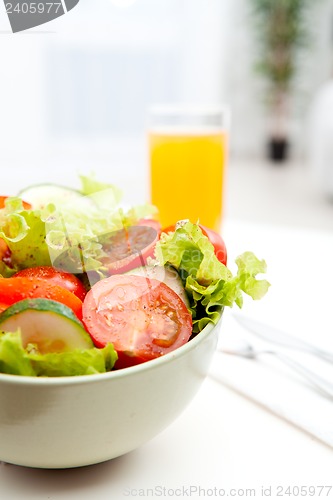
107 91
102 78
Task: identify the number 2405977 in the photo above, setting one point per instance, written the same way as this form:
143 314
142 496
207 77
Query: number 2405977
303 491
33 7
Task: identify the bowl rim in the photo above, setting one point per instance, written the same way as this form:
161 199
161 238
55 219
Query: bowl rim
26 380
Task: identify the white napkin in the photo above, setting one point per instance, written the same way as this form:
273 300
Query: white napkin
271 384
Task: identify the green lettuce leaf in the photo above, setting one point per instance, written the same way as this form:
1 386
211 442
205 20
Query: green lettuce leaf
76 362
71 233
209 284
16 360
90 185
13 358
24 232
25 235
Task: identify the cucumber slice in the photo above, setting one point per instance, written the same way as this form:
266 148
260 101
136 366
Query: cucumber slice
51 326
40 195
168 275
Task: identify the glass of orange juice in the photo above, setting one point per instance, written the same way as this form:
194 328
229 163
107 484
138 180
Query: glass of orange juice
188 153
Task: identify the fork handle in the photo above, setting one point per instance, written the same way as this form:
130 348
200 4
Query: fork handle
324 386
275 336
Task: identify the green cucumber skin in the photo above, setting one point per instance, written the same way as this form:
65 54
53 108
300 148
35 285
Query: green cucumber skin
49 185
46 322
40 195
45 305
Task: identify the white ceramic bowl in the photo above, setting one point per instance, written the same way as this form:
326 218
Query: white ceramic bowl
76 421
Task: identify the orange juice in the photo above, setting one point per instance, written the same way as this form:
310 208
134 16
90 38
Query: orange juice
187 173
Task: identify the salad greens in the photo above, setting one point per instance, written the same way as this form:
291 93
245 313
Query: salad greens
76 231
209 284
17 360
76 228
24 232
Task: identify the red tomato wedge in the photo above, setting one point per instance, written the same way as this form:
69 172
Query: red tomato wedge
13 290
3 307
143 318
130 247
150 223
61 278
215 239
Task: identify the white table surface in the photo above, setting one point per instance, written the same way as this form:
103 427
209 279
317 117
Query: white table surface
223 440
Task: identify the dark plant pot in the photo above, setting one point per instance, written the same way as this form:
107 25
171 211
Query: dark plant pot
278 150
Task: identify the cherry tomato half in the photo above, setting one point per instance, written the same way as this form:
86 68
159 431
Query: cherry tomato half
13 290
61 278
215 239
143 318
3 307
130 247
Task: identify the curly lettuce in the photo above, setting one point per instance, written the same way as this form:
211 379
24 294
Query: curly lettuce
67 234
209 284
16 360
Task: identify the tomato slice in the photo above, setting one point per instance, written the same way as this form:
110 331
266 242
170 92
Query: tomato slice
130 247
150 223
61 278
215 239
13 290
3 307
143 318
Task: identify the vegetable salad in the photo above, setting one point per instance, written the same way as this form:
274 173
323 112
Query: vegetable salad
88 286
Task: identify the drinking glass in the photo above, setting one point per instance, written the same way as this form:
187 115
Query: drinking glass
188 153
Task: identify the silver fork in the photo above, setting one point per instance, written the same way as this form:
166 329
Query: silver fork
276 336
246 350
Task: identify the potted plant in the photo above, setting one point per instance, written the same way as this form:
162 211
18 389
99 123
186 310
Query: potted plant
281 33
